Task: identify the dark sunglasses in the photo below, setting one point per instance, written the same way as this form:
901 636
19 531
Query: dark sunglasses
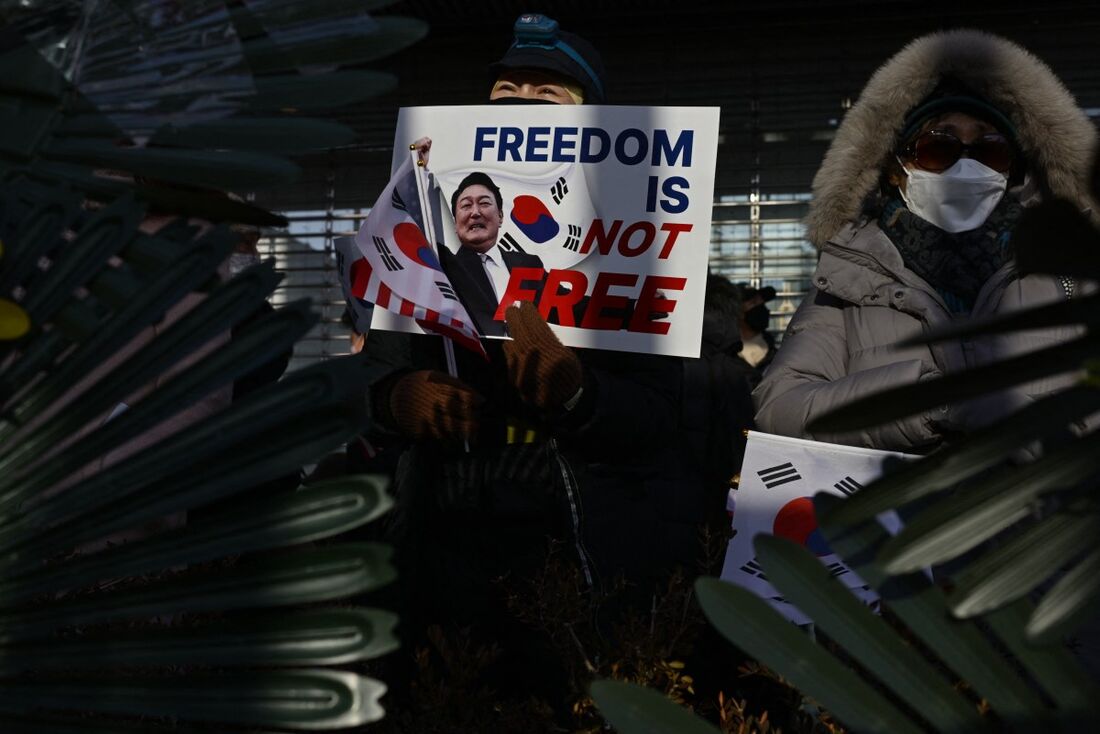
937 151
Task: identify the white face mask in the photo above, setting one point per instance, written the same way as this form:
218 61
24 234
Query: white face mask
959 199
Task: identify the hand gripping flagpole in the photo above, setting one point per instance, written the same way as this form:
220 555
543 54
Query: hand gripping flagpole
422 189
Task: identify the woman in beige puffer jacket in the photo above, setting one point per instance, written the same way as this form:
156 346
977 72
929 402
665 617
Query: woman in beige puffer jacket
913 212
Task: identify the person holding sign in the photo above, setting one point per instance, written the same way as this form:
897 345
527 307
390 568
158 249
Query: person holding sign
540 442
914 210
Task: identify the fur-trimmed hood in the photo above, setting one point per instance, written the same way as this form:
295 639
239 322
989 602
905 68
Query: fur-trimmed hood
1057 138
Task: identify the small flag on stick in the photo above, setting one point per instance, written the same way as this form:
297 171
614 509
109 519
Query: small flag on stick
399 267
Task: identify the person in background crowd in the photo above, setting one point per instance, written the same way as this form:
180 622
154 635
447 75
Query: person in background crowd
185 213
246 255
723 378
757 344
913 211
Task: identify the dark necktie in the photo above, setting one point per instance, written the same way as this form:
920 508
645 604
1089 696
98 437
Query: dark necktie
475 269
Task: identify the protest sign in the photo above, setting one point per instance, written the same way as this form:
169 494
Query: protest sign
779 477
603 221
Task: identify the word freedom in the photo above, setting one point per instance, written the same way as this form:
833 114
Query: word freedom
630 147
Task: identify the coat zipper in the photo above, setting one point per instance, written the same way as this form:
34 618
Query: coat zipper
938 351
1002 274
965 345
575 511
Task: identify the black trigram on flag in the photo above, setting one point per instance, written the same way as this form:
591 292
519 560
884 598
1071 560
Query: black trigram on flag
753 568
573 239
847 485
446 290
837 569
777 475
508 243
387 257
559 190
397 201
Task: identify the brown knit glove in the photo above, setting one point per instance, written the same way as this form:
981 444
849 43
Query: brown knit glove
433 405
546 373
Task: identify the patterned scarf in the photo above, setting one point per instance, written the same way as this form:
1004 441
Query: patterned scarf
956 265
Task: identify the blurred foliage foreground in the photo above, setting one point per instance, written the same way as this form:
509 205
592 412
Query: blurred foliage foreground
209 625
124 125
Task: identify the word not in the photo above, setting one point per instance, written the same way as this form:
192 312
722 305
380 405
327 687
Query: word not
630 147
634 239
564 299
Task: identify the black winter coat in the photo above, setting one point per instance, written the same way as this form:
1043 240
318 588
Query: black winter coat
612 486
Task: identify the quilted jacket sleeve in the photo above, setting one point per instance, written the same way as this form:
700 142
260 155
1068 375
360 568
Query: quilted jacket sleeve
810 377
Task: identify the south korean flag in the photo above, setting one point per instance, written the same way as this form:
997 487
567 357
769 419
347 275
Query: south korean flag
398 270
779 477
546 214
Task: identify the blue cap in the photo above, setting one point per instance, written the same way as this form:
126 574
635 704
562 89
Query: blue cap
541 46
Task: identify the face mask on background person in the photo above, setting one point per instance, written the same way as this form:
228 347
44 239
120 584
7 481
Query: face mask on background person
756 318
957 200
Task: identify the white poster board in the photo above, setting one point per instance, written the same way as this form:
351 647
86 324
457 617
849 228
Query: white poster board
779 477
614 203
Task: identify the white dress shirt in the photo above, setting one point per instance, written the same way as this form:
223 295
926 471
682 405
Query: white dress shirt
493 262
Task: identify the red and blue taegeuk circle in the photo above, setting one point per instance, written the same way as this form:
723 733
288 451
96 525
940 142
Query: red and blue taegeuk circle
796 521
534 219
412 243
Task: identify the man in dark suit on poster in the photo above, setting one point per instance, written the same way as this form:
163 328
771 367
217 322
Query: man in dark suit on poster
480 270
